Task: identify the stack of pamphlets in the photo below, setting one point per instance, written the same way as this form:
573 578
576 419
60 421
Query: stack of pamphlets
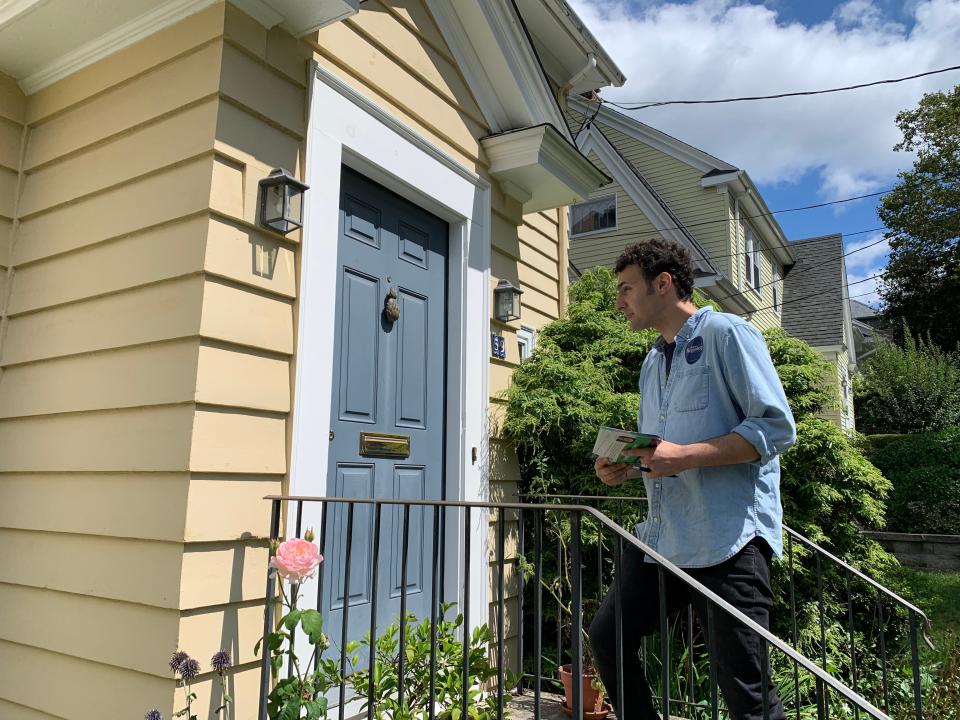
611 443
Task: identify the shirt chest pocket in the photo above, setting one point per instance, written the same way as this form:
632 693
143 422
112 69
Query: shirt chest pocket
691 390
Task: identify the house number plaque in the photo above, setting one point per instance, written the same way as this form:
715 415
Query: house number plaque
383 445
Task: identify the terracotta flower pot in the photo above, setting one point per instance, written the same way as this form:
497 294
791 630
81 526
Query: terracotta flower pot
594 708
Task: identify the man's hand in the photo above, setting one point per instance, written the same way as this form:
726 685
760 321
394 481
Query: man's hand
666 458
610 473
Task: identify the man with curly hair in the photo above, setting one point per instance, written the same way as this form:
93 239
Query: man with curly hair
710 392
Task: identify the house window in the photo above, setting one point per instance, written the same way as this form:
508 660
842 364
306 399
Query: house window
776 289
751 259
593 215
525 342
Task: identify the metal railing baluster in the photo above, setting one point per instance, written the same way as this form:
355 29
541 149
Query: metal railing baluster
853 643
521 549
915 657
537 610
346 609
576 610
501 601
265 668
466 614
374 587
618 616
793 622
664 644
434 607
404 566
712 652
883 658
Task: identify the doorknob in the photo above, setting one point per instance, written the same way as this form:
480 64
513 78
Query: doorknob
391 308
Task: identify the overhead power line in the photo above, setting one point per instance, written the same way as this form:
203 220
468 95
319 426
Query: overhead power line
802 270
642 105
824 292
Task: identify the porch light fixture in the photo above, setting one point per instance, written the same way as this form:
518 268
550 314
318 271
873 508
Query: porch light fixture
506 301
281 201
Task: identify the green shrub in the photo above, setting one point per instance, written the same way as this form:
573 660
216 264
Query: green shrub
894 455
802 371
925 472
911 389
926 500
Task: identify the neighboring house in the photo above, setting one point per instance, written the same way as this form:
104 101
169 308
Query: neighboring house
667 188
166 361
868 330
817 310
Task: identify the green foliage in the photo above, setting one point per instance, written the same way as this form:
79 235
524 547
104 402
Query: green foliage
583 375
802 372
417 699
925 472
909 389
301 694
923 214
830 490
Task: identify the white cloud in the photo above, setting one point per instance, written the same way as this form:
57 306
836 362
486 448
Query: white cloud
866 258
727 48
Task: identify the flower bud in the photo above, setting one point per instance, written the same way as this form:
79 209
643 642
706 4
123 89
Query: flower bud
308 535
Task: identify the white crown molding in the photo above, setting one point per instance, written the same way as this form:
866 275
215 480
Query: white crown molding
541 168
117 39
259 11
11 10
676 149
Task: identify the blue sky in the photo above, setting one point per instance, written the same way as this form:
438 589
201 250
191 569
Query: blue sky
799 151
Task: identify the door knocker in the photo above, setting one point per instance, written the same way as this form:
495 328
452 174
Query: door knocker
391 308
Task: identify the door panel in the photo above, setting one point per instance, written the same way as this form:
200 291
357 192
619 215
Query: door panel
389 377
360 300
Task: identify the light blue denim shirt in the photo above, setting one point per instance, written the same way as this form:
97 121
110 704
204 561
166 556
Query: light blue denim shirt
722 380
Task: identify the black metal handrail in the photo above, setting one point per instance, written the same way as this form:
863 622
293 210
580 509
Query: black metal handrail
917 619
576 512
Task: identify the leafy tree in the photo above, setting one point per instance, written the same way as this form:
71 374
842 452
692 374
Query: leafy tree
909 389
922 279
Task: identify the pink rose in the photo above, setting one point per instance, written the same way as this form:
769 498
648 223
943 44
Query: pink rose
296 559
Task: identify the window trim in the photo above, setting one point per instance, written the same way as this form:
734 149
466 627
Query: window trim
752 248
776 283
526 336
616 216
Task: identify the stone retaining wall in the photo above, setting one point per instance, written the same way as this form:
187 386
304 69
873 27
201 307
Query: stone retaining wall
920 550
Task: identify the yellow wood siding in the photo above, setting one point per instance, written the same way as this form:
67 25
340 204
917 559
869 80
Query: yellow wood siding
145 364
99 358
702 210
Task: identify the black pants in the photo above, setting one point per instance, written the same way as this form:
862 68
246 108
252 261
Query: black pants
743 581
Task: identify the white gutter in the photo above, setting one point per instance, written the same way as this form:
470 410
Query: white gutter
568 85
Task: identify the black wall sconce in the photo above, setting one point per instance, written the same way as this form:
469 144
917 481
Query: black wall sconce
506 301
281 201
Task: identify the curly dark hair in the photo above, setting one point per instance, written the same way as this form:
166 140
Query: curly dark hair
655 256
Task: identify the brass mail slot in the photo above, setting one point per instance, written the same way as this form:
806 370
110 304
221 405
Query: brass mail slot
383 445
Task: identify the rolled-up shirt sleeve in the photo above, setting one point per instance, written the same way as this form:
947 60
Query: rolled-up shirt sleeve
753 382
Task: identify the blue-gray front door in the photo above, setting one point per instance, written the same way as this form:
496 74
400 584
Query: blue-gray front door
388 379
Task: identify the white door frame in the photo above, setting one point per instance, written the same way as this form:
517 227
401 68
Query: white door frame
346 128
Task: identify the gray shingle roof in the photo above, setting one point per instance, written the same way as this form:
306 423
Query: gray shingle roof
813 291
